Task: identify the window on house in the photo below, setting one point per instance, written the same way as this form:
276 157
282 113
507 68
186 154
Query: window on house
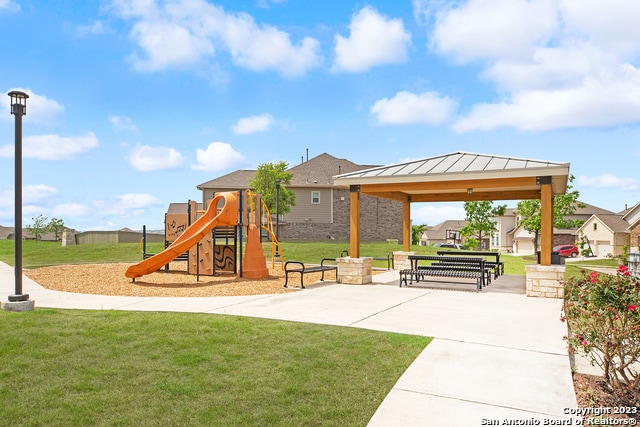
595 226
315 197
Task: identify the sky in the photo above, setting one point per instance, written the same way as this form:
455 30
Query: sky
133 103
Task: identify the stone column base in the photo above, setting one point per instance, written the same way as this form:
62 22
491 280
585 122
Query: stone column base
545 280
16 306
401 260
354 271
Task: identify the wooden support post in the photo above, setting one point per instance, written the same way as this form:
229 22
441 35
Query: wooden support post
546 220
406 225
354 222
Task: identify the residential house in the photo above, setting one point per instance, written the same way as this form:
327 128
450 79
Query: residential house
446 232
632 217
605 234
522 240
6 233
322 210
502 239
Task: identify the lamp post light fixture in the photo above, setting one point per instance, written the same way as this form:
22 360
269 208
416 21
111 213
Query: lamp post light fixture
278 181
18 109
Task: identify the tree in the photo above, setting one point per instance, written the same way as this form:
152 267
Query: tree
264 183
530 218
416 232
480 223
39 226
56 226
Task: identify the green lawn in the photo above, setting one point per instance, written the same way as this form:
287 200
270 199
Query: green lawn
112 368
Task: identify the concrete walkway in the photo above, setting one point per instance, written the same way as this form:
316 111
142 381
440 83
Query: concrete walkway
495 356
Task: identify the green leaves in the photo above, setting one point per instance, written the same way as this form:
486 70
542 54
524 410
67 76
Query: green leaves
603 316
480 220
264 183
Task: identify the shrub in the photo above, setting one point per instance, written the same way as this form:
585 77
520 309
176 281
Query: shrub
603 313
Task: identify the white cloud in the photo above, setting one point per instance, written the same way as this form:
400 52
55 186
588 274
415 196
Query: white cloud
261 48
182 34
265 3
253 124
374 40
167 44
37 193
589 104
96 27
122 123
218 156
126 205
609 181
410 108
9 5
146 158
53 147
70 210
435 213
40 109
556 64
494 29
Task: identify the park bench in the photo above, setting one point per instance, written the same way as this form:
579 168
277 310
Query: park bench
291 267
458 268
497 265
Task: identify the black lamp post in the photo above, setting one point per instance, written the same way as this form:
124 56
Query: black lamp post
18 109
278 209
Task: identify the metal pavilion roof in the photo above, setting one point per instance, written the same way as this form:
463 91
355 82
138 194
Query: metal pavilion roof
459 176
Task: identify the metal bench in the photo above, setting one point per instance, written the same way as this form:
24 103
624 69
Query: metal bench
458 267
299 267
497 264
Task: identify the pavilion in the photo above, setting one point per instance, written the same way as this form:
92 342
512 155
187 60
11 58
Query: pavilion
459 177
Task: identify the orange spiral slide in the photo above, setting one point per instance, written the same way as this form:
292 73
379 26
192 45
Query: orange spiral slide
192 235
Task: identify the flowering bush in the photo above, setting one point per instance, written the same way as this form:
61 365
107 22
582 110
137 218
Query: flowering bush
603 313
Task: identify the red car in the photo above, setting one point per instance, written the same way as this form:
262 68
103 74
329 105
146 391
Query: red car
567 250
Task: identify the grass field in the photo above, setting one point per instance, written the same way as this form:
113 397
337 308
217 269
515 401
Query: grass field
112 368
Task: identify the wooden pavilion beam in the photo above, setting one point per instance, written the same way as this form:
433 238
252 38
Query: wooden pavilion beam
546 221
406 225
459 196
463 184
477 196
354 221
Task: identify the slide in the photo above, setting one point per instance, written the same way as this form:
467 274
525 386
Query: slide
192 235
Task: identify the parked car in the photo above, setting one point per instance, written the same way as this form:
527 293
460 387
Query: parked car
567 250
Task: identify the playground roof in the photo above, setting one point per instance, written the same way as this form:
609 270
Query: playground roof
459 176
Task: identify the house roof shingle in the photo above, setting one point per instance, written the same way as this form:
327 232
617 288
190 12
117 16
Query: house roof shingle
614 222
317 172
235 180
320 170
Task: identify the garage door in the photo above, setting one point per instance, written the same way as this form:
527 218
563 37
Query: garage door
603 248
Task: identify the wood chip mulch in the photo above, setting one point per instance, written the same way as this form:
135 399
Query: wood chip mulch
109 279
592 391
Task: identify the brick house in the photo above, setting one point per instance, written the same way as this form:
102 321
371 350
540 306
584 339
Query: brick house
632 217
446 232
522 240
322 209
607 234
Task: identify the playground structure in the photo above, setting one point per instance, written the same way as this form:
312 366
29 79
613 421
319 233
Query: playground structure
211 241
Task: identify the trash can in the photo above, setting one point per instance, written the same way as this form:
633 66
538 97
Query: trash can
556 259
